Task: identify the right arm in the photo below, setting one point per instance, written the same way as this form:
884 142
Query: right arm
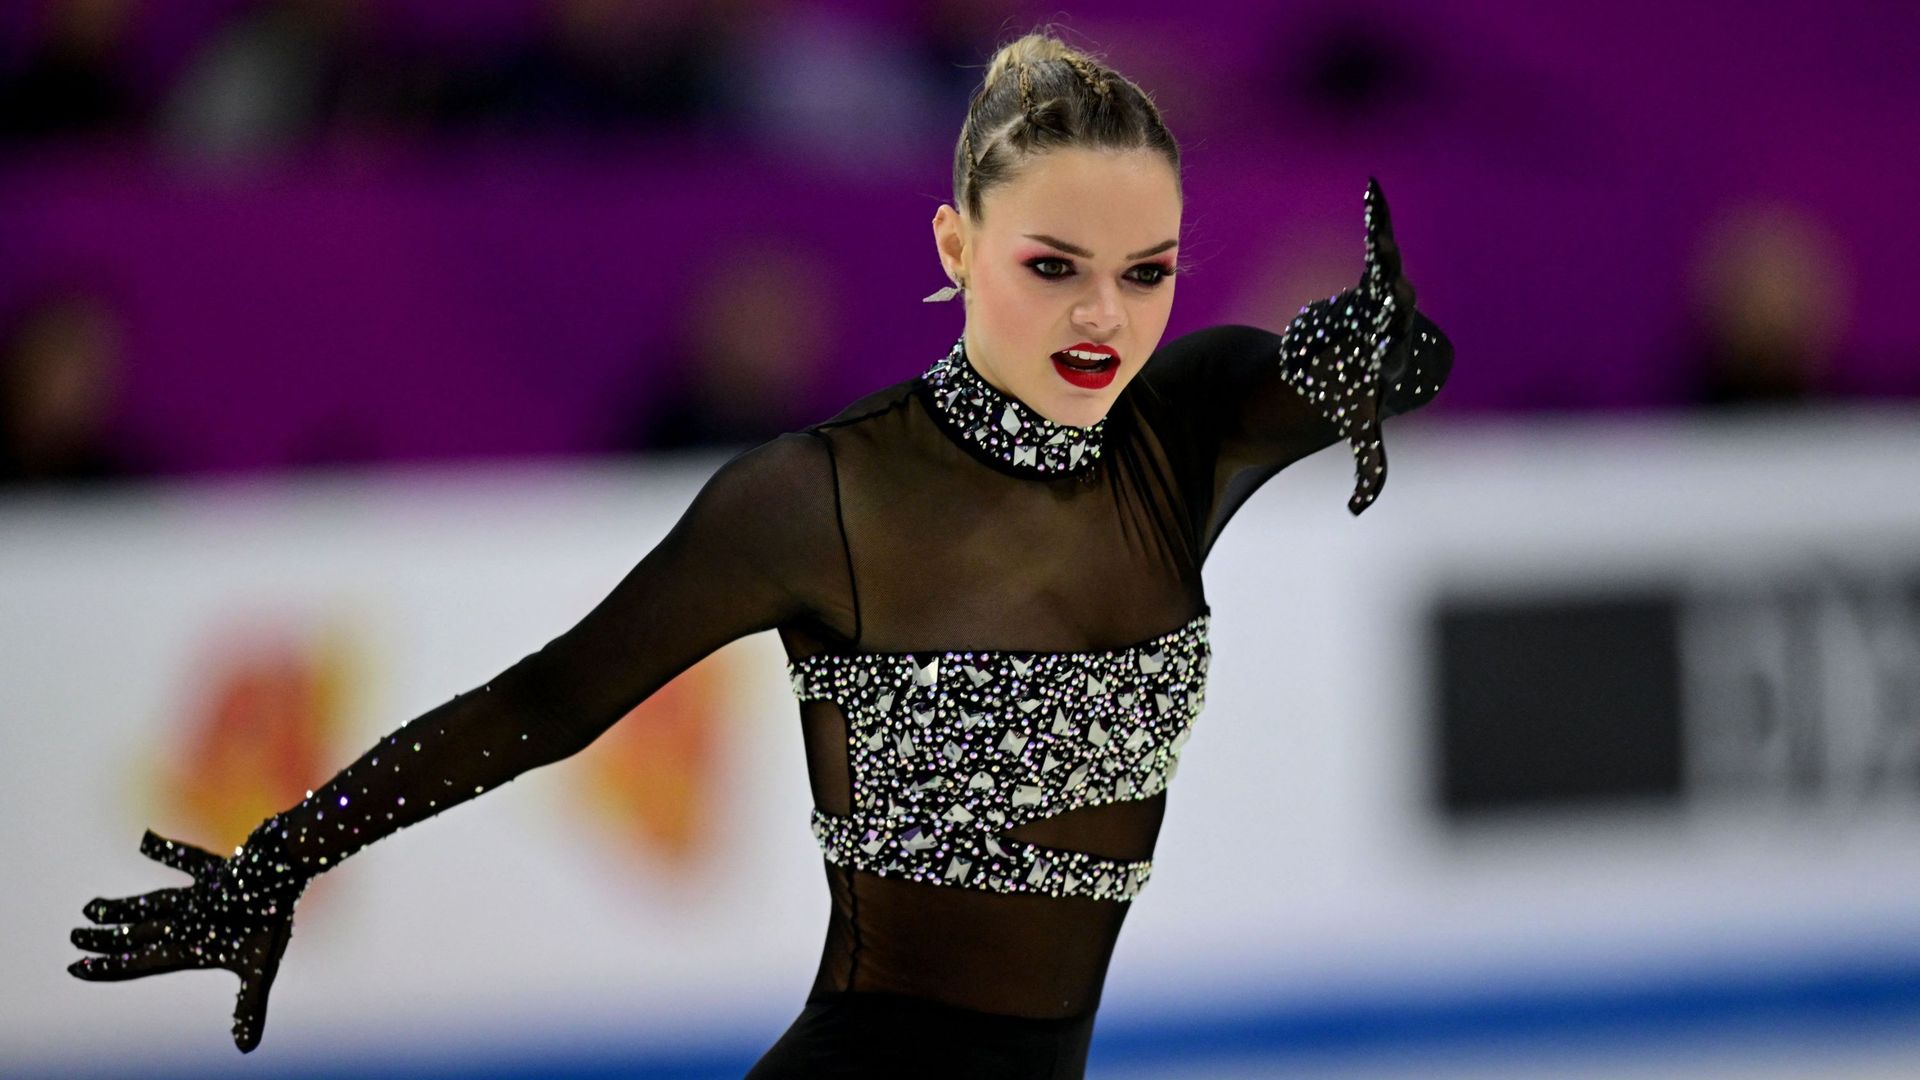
759 547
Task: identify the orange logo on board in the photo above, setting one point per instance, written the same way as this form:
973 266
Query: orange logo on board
651 780
261 726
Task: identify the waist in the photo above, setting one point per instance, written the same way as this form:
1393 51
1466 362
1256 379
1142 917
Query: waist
863 1033
893 1003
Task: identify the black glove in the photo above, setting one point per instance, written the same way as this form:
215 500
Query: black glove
1344 353
237 915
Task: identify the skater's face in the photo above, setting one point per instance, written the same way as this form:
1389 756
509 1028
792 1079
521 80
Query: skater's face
1077 249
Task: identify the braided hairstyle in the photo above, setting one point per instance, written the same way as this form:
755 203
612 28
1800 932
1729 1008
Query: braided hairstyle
1040 93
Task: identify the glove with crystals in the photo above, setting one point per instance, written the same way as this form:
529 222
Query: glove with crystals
237 915
759 547
1344 353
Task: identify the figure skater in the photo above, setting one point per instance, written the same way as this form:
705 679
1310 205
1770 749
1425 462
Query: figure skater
987 579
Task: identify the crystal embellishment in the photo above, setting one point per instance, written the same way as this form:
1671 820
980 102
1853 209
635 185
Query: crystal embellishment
1018 737
1003 428
1354 354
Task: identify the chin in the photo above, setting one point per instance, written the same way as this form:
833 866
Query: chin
1081 411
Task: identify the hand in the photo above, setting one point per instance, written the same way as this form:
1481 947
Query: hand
1341 352
237 915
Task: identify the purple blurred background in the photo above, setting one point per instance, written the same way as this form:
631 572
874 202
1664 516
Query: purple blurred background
246 236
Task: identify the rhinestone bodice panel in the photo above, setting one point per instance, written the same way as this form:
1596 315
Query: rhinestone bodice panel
949 750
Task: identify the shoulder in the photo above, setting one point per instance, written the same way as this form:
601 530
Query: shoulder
870 407
772 477
808 448
1202 364
1185 354
881 421
797 464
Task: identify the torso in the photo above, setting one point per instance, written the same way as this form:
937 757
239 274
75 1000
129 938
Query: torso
951 554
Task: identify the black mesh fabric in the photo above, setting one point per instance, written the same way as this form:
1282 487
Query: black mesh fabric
951 552
874 531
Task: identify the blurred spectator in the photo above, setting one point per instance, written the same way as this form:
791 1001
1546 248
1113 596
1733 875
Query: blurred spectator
59 377
74 80
830 85
275 76
757 337
1771 299
949 38
1341 69
599 65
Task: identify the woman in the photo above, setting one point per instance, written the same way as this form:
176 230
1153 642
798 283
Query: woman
987 579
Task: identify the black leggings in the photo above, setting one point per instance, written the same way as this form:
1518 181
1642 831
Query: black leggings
858 1034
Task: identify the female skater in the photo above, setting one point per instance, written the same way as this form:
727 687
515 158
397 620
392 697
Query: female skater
987 580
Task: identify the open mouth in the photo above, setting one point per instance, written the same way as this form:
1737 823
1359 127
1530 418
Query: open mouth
1084 360
1087 365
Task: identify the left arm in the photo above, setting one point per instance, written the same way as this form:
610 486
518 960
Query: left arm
1244 402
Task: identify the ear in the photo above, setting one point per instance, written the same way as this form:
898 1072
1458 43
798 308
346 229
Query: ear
950 241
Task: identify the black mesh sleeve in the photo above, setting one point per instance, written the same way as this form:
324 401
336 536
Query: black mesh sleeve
759 547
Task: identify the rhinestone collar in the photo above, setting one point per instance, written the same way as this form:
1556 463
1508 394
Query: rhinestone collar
1001 429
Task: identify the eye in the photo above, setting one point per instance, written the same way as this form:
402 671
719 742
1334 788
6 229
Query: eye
1155 273
1159 271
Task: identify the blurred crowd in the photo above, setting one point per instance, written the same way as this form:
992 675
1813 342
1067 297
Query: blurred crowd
237 76
234 81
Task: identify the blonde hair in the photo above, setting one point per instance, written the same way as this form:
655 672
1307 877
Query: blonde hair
1039 94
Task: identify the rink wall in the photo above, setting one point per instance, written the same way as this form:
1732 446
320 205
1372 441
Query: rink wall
1605 729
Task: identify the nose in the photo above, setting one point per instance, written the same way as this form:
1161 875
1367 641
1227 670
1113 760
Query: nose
1101 313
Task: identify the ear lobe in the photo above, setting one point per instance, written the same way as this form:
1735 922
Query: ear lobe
950 242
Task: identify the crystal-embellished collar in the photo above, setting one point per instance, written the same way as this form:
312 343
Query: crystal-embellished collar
1002 429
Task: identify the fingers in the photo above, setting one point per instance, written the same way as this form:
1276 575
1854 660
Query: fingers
152 960
153 905
1403 308
256 981
1379 219
1370 469
177 854
1386 274
1383 253
120 939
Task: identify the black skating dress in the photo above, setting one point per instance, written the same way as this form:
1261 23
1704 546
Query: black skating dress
997 636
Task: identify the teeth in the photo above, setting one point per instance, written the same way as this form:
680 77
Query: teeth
1079 355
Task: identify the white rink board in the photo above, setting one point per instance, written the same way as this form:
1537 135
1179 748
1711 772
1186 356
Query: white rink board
1299 857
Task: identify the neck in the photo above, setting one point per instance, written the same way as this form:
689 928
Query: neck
1000 428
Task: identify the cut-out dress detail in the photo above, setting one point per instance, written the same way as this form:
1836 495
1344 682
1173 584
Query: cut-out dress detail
951 749
887 526
1058 571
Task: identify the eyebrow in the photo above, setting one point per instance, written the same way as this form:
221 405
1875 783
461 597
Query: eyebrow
1072 249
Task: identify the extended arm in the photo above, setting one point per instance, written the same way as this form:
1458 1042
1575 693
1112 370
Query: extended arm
758 548
1242 402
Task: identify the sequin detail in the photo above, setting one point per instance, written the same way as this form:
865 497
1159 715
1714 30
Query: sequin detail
1336 352
1003 427
949 750
235 915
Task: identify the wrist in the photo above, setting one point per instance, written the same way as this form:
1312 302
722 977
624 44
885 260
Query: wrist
262 873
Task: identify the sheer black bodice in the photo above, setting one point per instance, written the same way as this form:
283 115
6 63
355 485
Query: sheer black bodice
880 531
1053 572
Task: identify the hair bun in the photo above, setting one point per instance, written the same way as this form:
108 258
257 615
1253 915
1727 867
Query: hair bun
1063 97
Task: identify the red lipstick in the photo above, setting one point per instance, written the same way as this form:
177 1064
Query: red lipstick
1092 370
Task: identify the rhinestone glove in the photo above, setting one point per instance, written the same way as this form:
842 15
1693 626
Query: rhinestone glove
237 915
1354 354
759 547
